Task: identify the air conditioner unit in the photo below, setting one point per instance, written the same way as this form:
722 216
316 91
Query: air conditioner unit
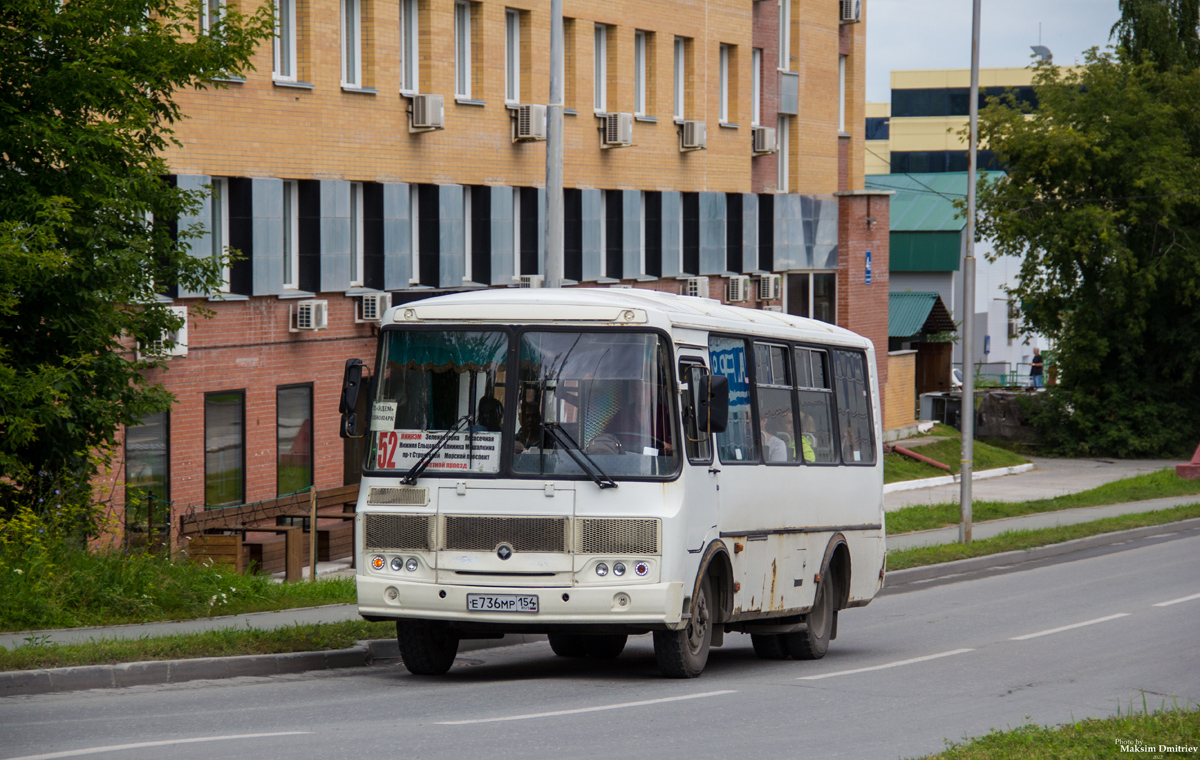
737 289
309 316
372 306
692 135
763 140
617 130
428 112
769 286
172 342
850 11
696 286
530 280
529 123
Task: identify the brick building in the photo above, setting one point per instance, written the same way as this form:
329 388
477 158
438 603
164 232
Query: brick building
330 178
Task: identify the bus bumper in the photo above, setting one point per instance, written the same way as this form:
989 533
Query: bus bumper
634 604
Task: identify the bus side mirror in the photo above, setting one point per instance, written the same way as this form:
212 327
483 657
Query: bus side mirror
712 404
352 381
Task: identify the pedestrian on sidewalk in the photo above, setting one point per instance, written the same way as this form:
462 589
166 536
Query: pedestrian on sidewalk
1036 368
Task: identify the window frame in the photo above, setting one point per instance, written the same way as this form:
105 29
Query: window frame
166 475
723 69
512 55
827 389
462 49
242 395
351 16
284 69
688 364
680 83
600 68
756 55
291 234
640 80
410 47
357 230
842 95
755 438
785 35
783 149
790 386
311 434
213 10
870 403
219 227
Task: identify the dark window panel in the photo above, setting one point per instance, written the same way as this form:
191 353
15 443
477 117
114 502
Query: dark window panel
373 235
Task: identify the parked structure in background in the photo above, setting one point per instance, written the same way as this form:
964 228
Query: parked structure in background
383 153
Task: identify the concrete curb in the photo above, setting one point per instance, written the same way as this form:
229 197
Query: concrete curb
156 673
945 480
897 578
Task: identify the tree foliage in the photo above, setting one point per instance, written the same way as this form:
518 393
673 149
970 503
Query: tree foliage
1162 31
86 110
1102 202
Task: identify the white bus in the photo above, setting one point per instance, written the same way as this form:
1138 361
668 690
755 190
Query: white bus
591 464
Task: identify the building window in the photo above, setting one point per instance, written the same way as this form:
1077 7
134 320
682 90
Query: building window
782 146
600 69
351 43
212 13
756 87
410 59
219 226
467 241
147 481
680 76
512 56
842 94
724 64
224 449
785 35
356 234
285 40
639 73
813 294
414 228
294 438
291 234
462 49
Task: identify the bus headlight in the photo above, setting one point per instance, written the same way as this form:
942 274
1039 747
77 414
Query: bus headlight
619 568
397 563
411 565
601 569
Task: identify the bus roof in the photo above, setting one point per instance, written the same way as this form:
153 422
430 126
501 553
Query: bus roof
608 305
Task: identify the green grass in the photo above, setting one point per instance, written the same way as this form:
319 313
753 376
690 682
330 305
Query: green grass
1090 738
1029 539
222 643
72 588
948 451
1151 485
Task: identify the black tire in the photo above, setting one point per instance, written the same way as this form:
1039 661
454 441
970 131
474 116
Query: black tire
427 649
769 646
813 642
602 647
683 653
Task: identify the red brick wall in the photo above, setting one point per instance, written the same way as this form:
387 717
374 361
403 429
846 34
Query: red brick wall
765 34
860 307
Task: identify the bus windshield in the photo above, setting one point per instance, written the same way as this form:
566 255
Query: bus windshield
608 392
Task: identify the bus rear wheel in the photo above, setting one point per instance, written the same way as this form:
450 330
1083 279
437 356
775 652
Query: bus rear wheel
425 648
602 647
813 642
683 653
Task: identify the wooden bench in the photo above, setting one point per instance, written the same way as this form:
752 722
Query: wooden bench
335 538
218 550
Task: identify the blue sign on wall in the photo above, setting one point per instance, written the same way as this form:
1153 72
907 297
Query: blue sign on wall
868 276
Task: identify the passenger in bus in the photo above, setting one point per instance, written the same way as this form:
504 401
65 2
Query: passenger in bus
775 445
489 415
529 436
808 438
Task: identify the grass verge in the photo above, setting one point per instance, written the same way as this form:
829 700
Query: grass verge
1029 539
948 451
1150 485
223 643
1173 726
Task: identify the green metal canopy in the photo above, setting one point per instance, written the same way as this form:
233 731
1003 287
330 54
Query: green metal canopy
910 314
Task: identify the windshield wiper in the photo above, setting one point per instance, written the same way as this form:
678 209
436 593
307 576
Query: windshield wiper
427 458
572 448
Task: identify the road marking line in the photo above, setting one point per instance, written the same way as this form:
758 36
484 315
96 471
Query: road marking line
585 709
1069 627
1177 601
884 667
165 743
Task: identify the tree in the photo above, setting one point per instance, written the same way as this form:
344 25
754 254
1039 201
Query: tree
1162 31
1102 201
86 110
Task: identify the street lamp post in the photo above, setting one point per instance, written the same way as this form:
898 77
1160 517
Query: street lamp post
968 391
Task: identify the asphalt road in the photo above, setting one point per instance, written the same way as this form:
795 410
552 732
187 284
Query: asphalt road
1073 638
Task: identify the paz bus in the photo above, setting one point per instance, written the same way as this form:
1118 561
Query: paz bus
592 464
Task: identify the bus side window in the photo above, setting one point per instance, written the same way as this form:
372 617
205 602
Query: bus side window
728 358
817 439
773 385
697 443
854 408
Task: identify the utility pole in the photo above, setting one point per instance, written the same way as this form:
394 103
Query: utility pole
968 391
554 154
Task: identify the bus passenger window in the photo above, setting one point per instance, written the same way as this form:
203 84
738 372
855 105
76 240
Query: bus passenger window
727 357
816 407
777 426
854 407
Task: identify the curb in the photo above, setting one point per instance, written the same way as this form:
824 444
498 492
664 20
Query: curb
945 480
899 578
158 672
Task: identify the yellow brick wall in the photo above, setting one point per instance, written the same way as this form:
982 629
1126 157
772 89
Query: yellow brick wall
900 392
256 128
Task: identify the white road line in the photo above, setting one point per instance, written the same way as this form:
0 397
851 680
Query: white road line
165 743
1069 627
1177 601
585 709
884 667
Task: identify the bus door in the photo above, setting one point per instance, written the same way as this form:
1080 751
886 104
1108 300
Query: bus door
701 477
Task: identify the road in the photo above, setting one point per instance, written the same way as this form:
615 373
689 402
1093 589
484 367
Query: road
1066 639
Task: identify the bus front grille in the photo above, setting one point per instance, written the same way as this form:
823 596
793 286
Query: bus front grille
523 534
409 532
400 496
616 536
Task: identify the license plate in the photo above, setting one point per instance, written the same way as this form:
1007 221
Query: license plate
502 603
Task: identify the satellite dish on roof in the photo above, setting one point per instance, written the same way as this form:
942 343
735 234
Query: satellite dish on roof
1042 52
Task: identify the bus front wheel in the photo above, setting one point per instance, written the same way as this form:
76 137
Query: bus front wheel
425 648
683 653
813 642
